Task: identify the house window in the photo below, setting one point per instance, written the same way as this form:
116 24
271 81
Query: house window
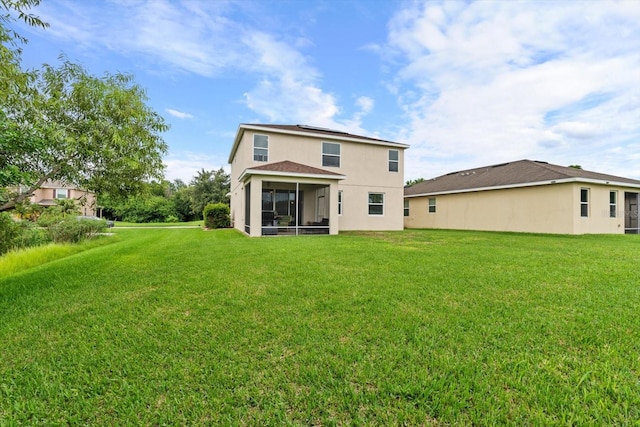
340 202
393 160
613 204
376 203
406 207
61 193
432 205
261 148
330 154
584 202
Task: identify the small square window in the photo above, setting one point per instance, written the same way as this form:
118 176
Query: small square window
330 154
61 193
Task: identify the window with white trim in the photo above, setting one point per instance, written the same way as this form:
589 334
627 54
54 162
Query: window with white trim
61 193
339 202
376 203
584 202
260 148
406 207
331 154
613 204
394 157
432 205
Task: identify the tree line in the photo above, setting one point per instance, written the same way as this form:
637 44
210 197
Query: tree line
170 201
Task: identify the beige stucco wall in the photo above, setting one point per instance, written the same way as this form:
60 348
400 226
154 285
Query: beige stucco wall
86 201
553 208
364 165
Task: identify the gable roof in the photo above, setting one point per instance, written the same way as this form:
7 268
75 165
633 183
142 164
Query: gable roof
288 168
309 131
521 173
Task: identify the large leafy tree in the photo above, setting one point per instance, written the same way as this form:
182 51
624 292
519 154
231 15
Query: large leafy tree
13 84
209 187
61 123
95 132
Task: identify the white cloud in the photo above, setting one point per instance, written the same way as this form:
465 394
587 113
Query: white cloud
207 39
178 114
491 81
186 165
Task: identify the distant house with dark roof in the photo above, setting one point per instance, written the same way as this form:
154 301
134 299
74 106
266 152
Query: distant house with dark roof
525 196
296 179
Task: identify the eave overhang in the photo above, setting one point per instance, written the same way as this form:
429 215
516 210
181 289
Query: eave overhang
529 184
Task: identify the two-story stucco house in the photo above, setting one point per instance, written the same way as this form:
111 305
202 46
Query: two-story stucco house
296 179
51 191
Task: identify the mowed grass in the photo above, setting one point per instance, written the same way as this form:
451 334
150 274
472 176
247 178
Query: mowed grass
188 327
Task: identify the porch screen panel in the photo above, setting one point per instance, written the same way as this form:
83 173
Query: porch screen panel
247 208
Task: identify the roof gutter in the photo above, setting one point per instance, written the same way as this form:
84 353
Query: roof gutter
249 172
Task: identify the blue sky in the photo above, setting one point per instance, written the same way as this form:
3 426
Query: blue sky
466 84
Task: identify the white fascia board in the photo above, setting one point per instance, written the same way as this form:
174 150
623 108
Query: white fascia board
249 172
323 136
236 142
530 184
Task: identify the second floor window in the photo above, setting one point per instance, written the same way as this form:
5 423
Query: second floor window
61 193
260 148
393 160
330 154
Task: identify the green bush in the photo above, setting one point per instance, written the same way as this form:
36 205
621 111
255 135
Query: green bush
216 215
50 217
19 234
8 232
144 210
73 230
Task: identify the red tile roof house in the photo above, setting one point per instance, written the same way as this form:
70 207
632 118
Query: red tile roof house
297 179
525 196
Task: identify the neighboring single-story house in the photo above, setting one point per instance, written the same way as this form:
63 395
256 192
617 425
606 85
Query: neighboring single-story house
50 191
525 196
297 179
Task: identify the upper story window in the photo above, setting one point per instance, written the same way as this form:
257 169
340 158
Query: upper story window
584 202
61 193
331 154
613 204
393 160
261 148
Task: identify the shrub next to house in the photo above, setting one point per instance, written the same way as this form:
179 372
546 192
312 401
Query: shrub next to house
216 215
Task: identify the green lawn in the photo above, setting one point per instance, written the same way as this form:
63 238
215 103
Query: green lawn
185 326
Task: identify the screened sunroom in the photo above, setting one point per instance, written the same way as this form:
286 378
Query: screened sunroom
290 199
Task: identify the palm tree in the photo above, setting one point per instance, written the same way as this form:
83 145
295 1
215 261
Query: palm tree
67 206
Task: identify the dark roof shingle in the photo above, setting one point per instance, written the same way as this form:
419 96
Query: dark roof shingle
293 168
507 174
